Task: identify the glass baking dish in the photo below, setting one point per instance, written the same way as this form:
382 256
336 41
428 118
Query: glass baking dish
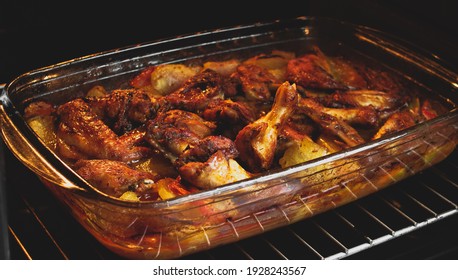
183 225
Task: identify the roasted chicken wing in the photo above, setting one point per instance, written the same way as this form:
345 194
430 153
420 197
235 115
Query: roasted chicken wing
230 112
199 90
115 177
203 149
218 170
124 109
396 122
318 71
379 100
330 123
175 131
256 81
81 132
361 115
185 138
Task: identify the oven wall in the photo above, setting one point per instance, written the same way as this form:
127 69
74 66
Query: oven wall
431 25
40 33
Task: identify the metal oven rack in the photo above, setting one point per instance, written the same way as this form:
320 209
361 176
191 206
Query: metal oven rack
40 228
410 205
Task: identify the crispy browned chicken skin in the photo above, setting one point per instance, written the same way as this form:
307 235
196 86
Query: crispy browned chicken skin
255 81
81 132
175 131
396 122
330 123
124 109
218 170
317 71
115 177
379 100
197 92
187 140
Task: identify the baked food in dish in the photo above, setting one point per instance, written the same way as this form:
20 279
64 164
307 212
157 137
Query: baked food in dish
178 129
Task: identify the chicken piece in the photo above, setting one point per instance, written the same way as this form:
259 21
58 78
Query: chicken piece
174 131
206 147
363 115
80 131
197 92
256 82
305 72
218 170
379 100
257 141
184 136
114 177
230 116
185 139
125 109
229 112
330 123
396 122
293 131
317 71
379 80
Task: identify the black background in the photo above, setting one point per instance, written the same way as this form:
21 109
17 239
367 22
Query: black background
34 34
39 33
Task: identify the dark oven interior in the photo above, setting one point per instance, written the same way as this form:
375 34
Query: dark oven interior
413 219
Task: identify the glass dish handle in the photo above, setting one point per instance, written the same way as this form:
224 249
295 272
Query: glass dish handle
30 156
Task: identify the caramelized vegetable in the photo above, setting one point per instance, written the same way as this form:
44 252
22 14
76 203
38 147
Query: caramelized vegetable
301 152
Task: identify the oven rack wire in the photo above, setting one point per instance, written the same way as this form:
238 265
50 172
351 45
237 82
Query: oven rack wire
412 204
